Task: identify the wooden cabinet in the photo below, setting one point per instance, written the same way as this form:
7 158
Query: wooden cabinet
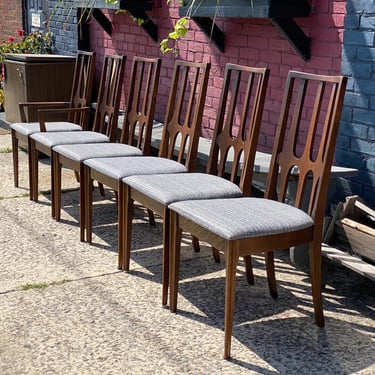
30 78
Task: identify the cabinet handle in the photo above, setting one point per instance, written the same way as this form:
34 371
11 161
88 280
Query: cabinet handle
20 75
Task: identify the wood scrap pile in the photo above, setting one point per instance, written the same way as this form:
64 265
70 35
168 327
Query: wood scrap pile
352 229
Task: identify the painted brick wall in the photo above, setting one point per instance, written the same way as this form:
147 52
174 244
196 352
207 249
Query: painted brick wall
11 18
356 146
248 41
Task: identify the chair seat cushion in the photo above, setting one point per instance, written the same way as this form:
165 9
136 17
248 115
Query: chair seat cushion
28 128
170 188
240 218
51 139
122 167
86 151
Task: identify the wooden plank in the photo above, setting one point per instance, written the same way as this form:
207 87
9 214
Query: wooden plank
365 209
349 261
361 238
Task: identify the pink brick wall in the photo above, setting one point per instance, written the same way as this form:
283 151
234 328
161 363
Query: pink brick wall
11 18
254 42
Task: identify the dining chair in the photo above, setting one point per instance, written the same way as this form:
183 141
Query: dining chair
80 98
230 165
304 148
135 136
179 142
104 125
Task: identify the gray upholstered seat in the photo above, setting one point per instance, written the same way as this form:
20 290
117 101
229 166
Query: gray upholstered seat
51 139
167 189
28 128
122 167
240 218
81 152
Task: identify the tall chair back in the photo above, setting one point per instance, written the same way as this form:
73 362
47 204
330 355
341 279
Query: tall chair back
238 124
82 85
140 103
304 149
109 95
184 112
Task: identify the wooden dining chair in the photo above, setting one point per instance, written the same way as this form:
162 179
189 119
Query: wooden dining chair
80 98
135 139
179 143
229 168
104 126
247 226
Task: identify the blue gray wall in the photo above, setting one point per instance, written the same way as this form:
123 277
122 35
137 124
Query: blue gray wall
356 142
63 23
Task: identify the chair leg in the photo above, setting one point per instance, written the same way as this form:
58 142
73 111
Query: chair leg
316 281
197 249
195 244
216 255
249 269
56 186
174 259
33 171
88 204
166 255
125 220
151 217
101 189
82 201
15 159
271 278
230 285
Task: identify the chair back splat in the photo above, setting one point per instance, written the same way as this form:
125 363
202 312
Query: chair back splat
140 103
184 112
321 97
82 87
108 102
238 124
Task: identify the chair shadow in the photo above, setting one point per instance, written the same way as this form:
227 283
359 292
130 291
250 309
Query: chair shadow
105 226
282 331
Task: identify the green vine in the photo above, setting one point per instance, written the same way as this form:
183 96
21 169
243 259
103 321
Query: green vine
180 29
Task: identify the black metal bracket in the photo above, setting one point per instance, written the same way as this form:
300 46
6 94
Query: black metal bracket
294 34
213 32
102 20
286 26
137 9
148 25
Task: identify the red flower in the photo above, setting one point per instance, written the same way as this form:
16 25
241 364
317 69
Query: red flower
20 33
10 39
